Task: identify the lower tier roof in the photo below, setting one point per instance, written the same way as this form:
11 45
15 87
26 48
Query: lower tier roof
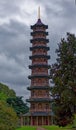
39 65
41 113
39 47
38 100
39 39
40 56
39 76
38 32
39 87
38 114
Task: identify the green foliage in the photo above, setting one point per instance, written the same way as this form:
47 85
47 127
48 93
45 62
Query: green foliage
8 118
5 92
63 75
74 122
18 104
3 96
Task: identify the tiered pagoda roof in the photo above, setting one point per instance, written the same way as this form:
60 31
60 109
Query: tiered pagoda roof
39 100
39 87
39 47
39 65
39 24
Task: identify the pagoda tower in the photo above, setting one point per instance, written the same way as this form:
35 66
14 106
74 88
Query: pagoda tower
40 107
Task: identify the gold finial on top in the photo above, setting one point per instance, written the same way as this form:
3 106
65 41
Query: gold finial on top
39 12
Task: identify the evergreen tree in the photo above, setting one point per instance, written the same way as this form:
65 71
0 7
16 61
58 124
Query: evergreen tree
63 77
18 104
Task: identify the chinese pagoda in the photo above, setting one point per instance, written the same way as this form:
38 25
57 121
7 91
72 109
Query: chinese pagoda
40 107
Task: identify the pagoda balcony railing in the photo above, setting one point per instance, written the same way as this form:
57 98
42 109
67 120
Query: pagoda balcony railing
42 96
39 63
40 36
40 84
39 73
40 110
39 29
39 44
39 53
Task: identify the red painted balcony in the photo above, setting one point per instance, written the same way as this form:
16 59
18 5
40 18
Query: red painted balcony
39 62
40 110
39 44
39 73
40 84
42 96
39 29
39 53
39 36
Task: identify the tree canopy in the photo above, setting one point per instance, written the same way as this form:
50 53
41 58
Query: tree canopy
6 92
8 118
18 104
63 77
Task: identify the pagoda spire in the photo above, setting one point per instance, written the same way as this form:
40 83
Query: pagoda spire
39 12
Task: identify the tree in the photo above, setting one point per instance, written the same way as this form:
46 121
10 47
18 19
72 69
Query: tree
63 77
8 118
18 104
5 92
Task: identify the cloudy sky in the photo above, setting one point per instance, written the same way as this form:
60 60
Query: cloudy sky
15 19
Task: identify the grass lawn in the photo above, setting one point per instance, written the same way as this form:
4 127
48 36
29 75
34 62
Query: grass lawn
27 128
56 128
46 127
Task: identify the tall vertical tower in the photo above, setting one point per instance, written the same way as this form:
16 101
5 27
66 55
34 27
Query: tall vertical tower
40 99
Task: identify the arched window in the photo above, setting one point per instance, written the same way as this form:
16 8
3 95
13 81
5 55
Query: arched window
47 93
47 106
39 80
39 106
33 106
39 93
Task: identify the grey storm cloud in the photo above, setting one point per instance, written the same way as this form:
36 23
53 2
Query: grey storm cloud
15 19
14 59
8 7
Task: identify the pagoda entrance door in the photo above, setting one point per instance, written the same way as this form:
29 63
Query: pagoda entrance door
34 121
39 120
46 120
